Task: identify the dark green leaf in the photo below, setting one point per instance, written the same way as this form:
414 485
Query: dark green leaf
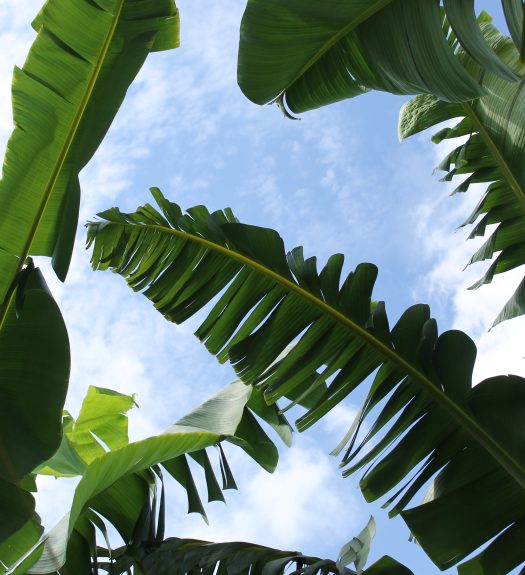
305 55
316 329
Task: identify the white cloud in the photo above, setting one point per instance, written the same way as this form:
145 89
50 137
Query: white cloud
500 350
341 418
295 508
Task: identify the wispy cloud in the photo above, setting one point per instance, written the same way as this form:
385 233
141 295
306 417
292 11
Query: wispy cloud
294 508
445 284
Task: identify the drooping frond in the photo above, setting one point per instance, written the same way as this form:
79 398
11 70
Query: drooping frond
175 556
297 333
191 556
309 54
493 153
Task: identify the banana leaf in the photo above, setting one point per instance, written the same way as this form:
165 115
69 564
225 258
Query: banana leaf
65 97
85 55
428 424
305 54
120 486
184 556
492 154
34 375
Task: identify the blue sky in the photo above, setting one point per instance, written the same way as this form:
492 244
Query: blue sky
338 180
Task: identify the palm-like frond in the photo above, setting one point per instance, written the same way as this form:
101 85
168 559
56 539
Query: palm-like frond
64 98
182 556
435 425
310 54
122 486
191 556
493 153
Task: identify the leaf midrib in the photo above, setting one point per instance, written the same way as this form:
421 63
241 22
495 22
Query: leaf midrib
501 455
365 15
70 138
493 149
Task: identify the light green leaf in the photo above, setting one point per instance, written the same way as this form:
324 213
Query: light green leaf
356 551
65 462
102 417
112 483
64 99
105 471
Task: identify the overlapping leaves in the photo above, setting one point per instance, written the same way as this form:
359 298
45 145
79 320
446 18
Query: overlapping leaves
64 98
309 336
493 153
307 54
34 374
190 556
122 486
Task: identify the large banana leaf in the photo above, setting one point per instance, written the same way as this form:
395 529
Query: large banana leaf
121 485
34 374
306 54
493 153
433 423
64 98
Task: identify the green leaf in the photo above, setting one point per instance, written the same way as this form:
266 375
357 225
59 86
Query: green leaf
101 425
105 471
114 484
65 462
492 154
515 15
101 418
64 99
462 19
306 55
17 544
17 507
356 551
422 425
183 556
387 566
34 374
